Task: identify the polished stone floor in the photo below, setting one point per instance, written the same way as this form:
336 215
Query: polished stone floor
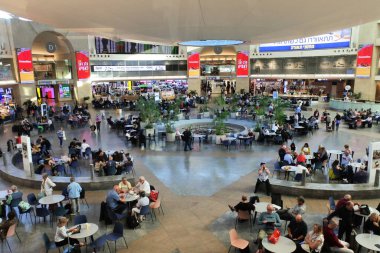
195 187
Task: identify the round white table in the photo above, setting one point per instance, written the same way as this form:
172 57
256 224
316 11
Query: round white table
52 199
229 138
368 241
305 247
261 207
87 230
131 197
284 245
335 152
355 165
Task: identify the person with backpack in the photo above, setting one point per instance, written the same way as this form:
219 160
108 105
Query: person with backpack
74 189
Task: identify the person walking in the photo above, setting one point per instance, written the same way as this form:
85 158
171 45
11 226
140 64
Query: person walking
47 185
61 136
187 139
98 121
74 189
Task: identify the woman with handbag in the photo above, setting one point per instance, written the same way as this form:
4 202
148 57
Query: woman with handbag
47 185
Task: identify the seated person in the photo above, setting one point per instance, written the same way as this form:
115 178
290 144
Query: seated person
332 241
361 177
143 201
290 213
6 223
301 158
116 200
110 168
268 221
124 185
99 167
315 239
84 146
288 159
372 224
337 170
346 158
243 205
142 185
61 237
297 229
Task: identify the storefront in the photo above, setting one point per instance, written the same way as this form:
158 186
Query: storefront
54 91
324 75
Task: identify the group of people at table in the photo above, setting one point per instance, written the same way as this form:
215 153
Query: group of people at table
322 236
343 168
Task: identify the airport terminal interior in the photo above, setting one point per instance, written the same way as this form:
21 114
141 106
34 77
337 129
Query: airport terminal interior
205 126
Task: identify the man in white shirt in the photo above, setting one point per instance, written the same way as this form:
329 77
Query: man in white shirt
288 157
143 201
143 186
83 147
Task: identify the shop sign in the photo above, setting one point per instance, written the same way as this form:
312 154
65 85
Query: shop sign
83 65
25 65
364 61
193 65
242 64
337 39
128 68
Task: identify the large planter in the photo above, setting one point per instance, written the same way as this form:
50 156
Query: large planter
218 139
149 131
206 114
233 115
170 137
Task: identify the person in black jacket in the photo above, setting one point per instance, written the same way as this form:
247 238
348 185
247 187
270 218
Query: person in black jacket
243 205
186 136
346 214
372 224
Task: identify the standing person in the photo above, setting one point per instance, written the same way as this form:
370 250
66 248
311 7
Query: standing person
263 178
83 148
47 185
98 120
346 214
74 189
186 135
328 121
338 118
61 136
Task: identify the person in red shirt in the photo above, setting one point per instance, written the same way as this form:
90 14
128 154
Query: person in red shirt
301 158
332 241
18 139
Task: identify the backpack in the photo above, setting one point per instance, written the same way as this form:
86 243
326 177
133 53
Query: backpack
132 222
153 195
24 206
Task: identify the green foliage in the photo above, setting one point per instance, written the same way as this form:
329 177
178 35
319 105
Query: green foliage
203 109
257 128
169 127
357 95
193 93
175 106
149 111
219 121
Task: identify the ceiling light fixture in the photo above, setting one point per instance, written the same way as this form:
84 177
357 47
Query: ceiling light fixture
5 15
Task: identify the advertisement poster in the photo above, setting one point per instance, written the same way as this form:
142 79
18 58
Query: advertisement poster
26 155
25 65
242 59
83 65
337 39
64 91
364 61
193 65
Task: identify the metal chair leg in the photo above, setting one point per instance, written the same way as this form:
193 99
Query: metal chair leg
8 245
125 242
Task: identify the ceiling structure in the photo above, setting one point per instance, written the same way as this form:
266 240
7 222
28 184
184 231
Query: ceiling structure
173 21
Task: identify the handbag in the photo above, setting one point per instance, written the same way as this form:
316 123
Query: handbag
273 238
364 209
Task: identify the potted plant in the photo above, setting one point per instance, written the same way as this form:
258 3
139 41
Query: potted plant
220 126
149 113
204 110
233 106
170 132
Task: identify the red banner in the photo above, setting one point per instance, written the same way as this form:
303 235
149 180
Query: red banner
242 59
364 61
193 65
25 65
83 65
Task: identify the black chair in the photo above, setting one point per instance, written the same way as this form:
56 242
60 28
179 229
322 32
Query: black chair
117 233
49 245
41 212
82 197
276 199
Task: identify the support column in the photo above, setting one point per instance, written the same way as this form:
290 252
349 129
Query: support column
242 83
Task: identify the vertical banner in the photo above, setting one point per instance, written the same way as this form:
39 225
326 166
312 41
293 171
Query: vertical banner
193 65
83 65
364 61
26 154
242 59
373 160
129 85
25 65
